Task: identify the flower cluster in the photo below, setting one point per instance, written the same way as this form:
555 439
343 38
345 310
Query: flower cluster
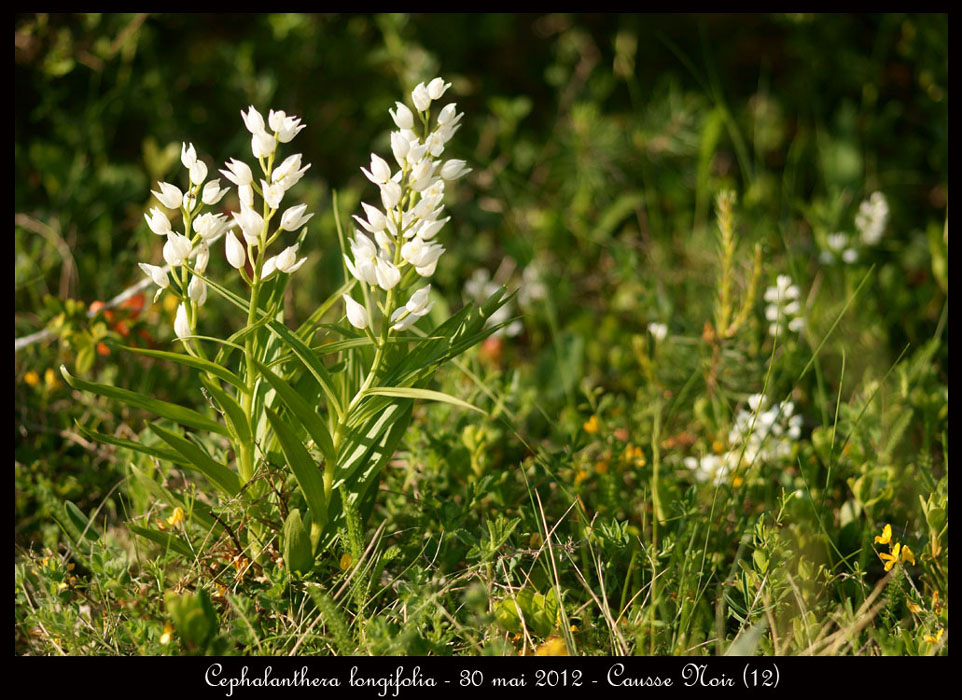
838 247
871 218
182 248
783 308
759 435
405 226
896 552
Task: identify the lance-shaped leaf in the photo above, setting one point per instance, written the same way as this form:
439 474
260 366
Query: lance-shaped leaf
161 453
198 512
178 414
305 469
195 362
217 473
164 539
313 364
408 392
303 411
234 414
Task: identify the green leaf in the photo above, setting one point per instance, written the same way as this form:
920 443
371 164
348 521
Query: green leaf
164 539
405 392
304 412
310 361
219 475
195 512
233 413
178 414
79 526
305 470
195 362
298 555
161 453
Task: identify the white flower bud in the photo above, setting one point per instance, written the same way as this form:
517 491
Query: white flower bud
210 226
421 98
188 156
447 116
212 192
253 120
176 249
202 258
197 290
238 172
437 87
399 146
294 218
198 172
356 313
170 195
262 144
251 224
273 194
453 169
380 172
156 274
390 194
181 326
376 221
245 194
158 222
236 255
402 116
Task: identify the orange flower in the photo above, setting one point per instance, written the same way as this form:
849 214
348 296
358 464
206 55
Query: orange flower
592 425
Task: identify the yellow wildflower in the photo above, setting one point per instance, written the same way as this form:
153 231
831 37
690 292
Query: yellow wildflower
936 638
886 535
50 378
635 454
907 555
890 559
913 607
592 425
601 466
168 634
535 540
552 646
177 518
346 562
581 475
32 379
737 481
718 447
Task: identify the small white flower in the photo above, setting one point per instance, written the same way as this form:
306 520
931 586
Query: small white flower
421 98
245 194
158 222
170 195
181 326
294 218
430 229
453 169
236 255
197 290
238 172
285 261
356 313
872 217
202 257
289 172
251 224
390 195
198 172
659 331
262 144
273 194
376 221
388 275
284 126
380 172
253 120
176 249
213 193
402 116
157 275
210 226
188 156
447 116
400 146
436 88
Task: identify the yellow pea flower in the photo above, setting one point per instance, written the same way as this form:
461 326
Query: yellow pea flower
886 535
936 638
177 518
31 378
346 561
890 559
592 425
913 607
553 646
168 634
50 379
907 555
